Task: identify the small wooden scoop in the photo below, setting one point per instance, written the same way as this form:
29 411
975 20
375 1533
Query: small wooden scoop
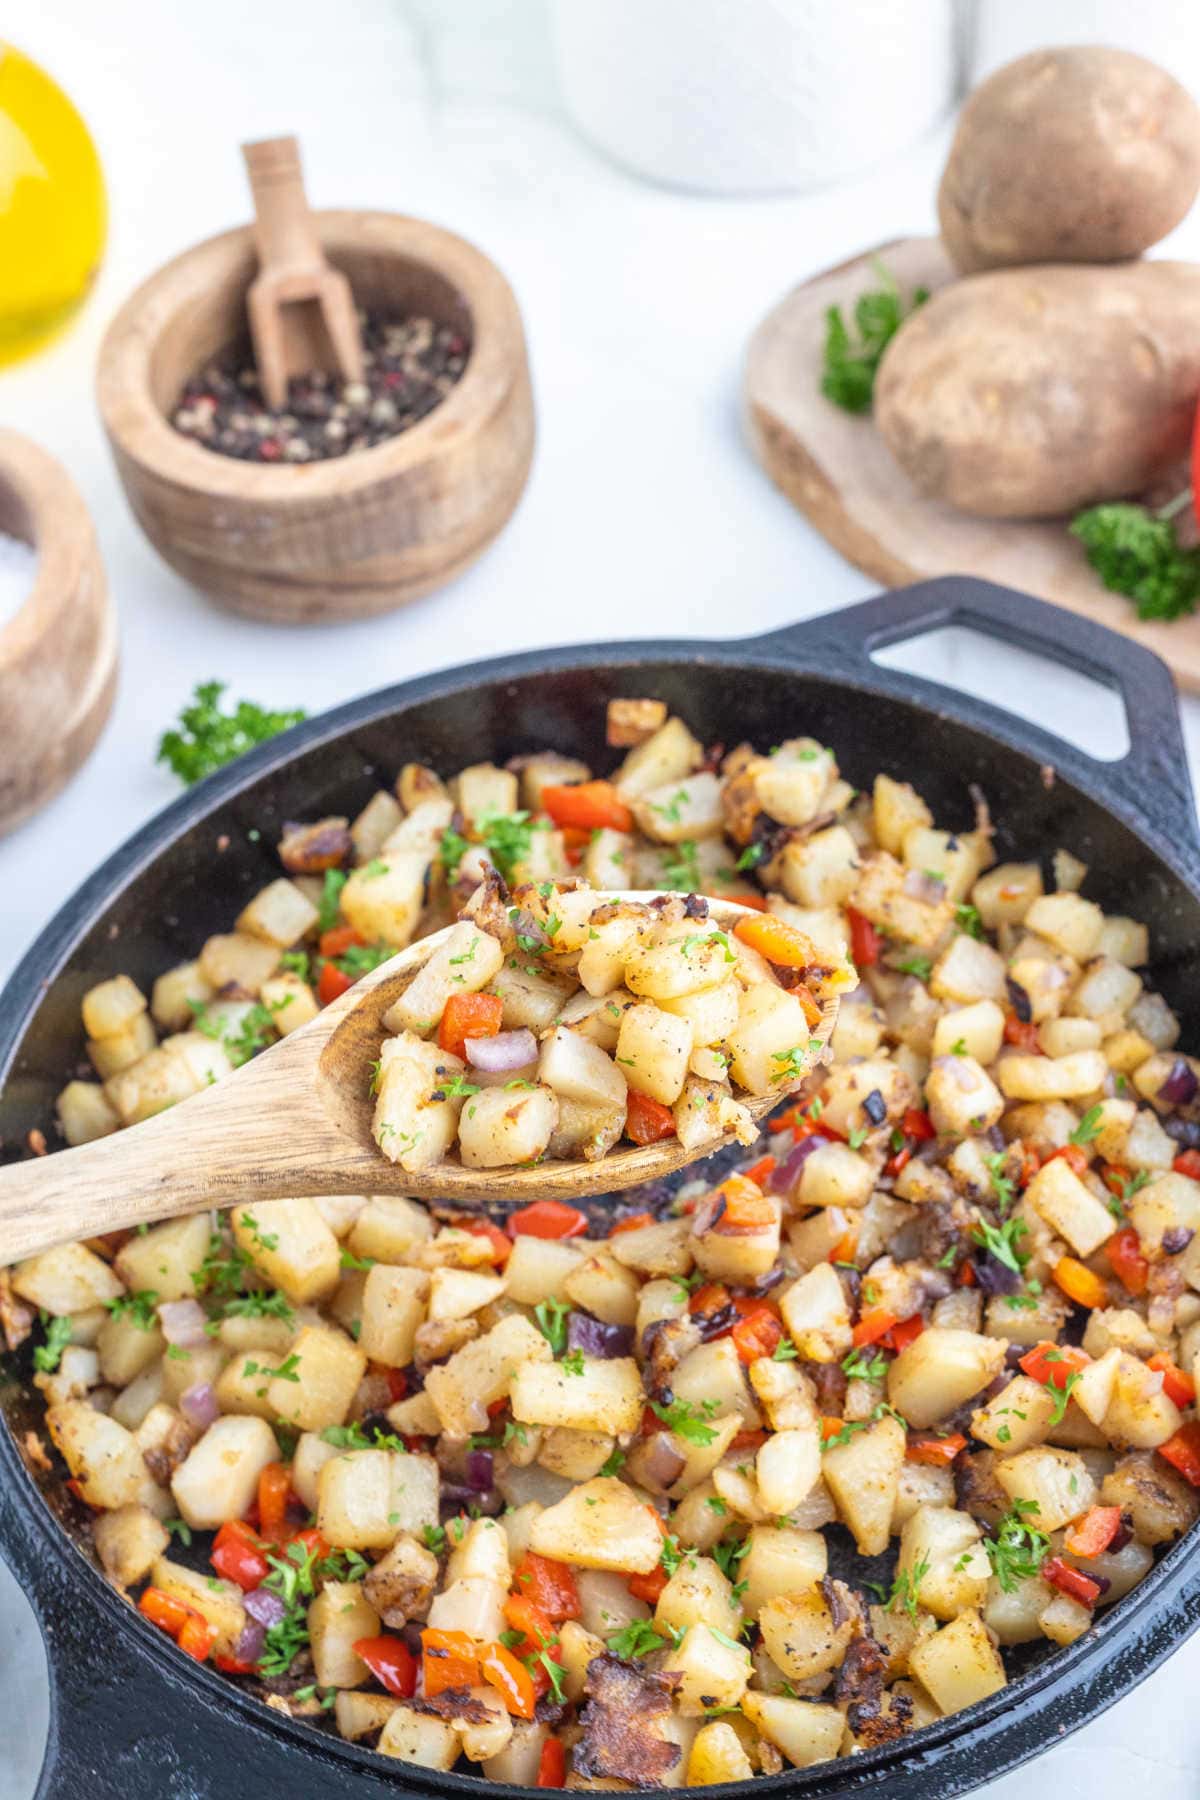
297 1120
302 313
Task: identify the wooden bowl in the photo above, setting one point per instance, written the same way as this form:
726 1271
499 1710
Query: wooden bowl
58 653
355 535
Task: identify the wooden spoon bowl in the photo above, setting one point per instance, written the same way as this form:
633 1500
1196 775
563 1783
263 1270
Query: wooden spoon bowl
297 1120
356 535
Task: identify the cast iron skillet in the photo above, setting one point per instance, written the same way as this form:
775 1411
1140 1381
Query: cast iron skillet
130 1716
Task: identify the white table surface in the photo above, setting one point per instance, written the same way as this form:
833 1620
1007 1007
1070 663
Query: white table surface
644 516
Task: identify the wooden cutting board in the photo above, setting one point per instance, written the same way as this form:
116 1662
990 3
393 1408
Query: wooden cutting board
836 468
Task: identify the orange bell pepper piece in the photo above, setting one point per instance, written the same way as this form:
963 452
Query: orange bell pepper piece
647 1121
1079 1283
1183 1451
935 1452
1131 1268
469 1016
511 1679
450 1659
164 1610
757 1333
1096 1530
549 1584
274 1489
589 806
1177 1384
778 941
196 1637
874 1324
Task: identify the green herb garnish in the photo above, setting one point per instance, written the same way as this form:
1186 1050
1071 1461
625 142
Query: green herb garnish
207 738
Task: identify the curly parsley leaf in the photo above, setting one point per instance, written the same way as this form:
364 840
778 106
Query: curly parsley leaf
1136 552
207 738
851 361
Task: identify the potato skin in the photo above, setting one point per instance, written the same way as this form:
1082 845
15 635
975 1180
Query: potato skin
1075 155
1027 393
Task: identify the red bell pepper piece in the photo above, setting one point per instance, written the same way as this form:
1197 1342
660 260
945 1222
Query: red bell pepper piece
1071 1581
635 1222
1096 1530
875 1323
903 1333
759 1171
552 1765
1022 1033
233 1665
1053 1364
918 1124
237 1555
549 1584
1124 1251
338 940
589 806
647 1121
547 1219
526 1616
469 1016
1177 1384
1188 1163
499 1240
758 1332
1183 1451
935 1452
391 1662
163 1610
332 983
196 1637
865 941
647 1587
1073 1155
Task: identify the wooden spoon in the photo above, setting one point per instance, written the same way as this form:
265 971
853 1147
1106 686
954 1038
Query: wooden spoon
301 311
297 1120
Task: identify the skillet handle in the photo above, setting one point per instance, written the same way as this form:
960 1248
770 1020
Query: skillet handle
1152 779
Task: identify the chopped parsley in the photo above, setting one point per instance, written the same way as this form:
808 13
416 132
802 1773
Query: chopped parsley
967 918
1002 1185
331 899
1088 1128
47 1356
687 1420
861 1366
356 1437
906 1587
751 856
1001 1242
638 1638
178 1528
681 869
572 1362
1016 1550
138 1308
920 966
852 357
551 1317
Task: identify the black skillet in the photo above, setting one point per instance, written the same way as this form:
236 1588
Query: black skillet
130 1716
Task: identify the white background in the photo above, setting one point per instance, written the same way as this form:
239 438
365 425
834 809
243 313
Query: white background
644 516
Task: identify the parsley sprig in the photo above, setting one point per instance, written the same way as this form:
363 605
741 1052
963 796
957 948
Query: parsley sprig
1136 552
207 738
848 376
1016 1550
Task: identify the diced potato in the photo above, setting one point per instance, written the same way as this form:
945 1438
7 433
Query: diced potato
420 1738
393 1305
805 1731
682 810
670 755
698 1593
1068 922
920 1485
388 1228
835 1175
311 1455
219 1603
821 869
111 1006
125 1348
663 1248
780 1560
599 1285
280 914
787 1468
653 1048
961 1096
1124 940
939 1370
896 807
711 1377
415 1119
863 1476
599 1525
606 1396
1005 894
1056 1481
289 1242
1057 1195
483 789
361 1715
977 1028
366 1498
576 1069
1014 1614
219 1477
102 1456
957 857
290 1002
464 964
383 900
879 894
960 1664
968 971
374 825
1064 1620
537 1268
1139 1415
402 1583
340 1614
124 1048
498 1128
84 1113
1052 1078
717 1755
68 1279
129 1542
456 1294
481 1372
1017 1418
166 1258
817 1315
236 960
714 1669
942 1555
770 1043
324 1368
800 1634
1160 1502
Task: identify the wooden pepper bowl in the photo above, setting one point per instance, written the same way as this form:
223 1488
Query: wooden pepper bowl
346 538
58 653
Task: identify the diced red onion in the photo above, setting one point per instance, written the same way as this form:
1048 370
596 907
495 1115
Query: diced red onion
1179 1089
508 1050
183 1323
660 1464
480 1470
785 1175
199 1405
709 1212
527 927
919 885
595 1337
265 1607
249 1646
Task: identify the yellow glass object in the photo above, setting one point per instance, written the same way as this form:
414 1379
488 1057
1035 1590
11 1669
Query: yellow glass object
53 211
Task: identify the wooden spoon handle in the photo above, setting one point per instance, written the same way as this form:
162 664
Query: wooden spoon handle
284 228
